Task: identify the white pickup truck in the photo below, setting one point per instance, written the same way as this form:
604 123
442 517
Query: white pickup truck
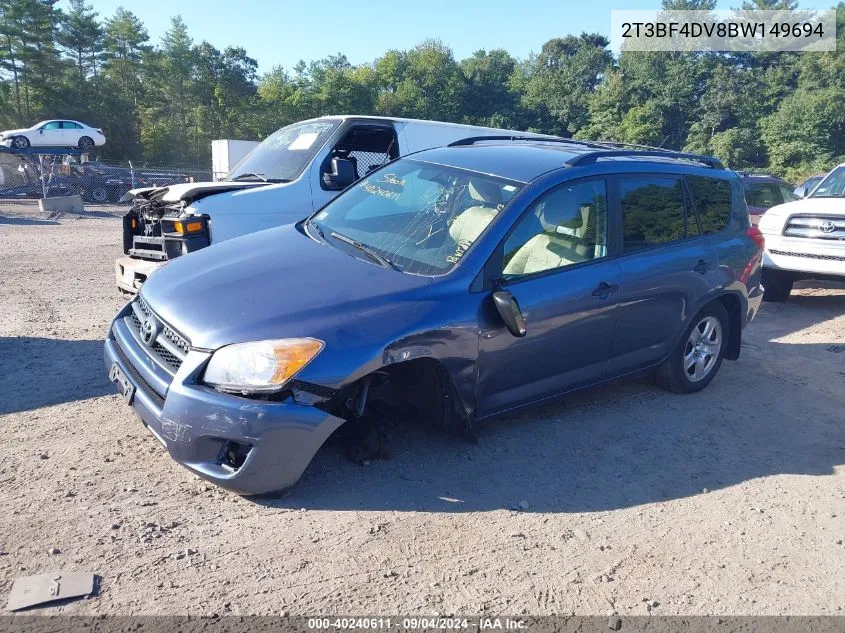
805 239
292 173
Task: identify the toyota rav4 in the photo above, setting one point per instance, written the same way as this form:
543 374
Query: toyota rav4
454 284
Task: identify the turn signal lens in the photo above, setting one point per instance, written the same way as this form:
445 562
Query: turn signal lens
187 227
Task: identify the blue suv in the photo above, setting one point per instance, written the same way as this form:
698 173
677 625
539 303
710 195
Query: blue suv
450 285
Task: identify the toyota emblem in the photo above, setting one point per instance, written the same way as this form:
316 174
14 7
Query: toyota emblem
149 331
827 227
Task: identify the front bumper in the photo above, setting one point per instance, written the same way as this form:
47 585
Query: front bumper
196 423
130 273
805 256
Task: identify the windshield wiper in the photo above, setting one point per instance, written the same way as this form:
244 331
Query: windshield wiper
250 176
386 263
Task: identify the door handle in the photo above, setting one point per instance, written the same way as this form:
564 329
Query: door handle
701 266
605 289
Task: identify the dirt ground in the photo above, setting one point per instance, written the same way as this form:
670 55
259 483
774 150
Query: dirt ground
623 498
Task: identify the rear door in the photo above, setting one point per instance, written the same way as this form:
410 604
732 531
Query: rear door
667 267
71 133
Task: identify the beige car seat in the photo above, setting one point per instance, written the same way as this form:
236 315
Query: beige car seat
467 226
565 239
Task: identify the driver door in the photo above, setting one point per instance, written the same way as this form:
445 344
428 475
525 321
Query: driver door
368 146
557 262
51 134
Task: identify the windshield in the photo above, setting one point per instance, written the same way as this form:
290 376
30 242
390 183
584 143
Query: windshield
283 155
833 185
417 217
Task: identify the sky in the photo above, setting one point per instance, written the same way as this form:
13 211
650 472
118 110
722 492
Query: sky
281 32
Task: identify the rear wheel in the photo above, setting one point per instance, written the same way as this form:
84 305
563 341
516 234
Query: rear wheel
97 193
86 143
20 142
777 285
698 355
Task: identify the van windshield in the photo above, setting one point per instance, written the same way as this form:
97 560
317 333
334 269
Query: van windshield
420 218
283 155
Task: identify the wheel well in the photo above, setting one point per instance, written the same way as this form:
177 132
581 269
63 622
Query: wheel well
420 389
733 306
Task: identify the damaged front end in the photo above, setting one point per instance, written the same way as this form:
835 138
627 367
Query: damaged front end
161 225
155 230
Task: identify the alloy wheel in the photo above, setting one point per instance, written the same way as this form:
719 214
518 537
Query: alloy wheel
702 349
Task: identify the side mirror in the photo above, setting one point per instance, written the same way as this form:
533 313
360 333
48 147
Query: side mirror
509 310
342 174
801 192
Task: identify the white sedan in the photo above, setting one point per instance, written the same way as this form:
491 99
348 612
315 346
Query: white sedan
54 133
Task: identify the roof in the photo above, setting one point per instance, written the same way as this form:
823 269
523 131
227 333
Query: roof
524 160
521 162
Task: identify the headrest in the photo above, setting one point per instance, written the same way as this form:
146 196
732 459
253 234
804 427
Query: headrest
564 211
485 191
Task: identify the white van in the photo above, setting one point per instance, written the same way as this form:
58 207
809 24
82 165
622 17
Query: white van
293 172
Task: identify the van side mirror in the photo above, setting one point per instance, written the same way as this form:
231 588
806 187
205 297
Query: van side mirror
342 174
509 310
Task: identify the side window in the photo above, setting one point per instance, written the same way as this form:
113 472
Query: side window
653 211
765 194
368 147
786 194
712 198
53 125
565 226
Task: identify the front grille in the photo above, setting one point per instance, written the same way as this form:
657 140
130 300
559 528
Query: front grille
833 258
170 353
820 227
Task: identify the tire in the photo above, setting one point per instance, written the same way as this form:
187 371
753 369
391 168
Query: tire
700 350
777 285
20 142
98 194
86 143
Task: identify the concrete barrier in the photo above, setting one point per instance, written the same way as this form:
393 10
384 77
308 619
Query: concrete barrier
61 204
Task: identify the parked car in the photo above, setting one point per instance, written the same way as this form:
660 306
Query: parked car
806 188
762 192
805 239
457 283
54 133
293 172
94 182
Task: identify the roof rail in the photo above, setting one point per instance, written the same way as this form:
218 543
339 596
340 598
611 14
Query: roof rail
592 157
604 149
471 140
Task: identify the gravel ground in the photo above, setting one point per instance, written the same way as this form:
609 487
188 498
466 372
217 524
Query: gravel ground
622 498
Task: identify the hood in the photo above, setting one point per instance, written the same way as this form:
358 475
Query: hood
279 283
814 206
17 131
189 191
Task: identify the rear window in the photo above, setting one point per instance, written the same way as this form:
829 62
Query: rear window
713 200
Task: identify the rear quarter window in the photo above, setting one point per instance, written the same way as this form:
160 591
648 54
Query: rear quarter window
712 198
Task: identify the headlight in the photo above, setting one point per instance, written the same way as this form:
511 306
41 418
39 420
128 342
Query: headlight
261 366
769 223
